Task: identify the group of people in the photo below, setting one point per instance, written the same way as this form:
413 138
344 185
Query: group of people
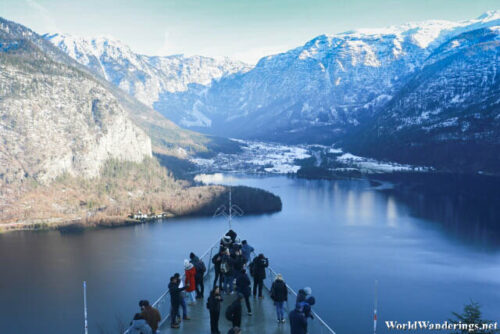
231 277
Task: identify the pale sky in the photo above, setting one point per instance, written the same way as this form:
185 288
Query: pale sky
245 30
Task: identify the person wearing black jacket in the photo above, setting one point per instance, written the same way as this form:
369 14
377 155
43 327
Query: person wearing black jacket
213 305
217 260
279 294
260 263
233 312
238 261
175 300
243 288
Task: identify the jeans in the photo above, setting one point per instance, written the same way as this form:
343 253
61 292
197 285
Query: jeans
191 296
184 308
228 280
258 283
280 310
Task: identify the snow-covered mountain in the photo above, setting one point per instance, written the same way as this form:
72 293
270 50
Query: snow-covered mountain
318 91
147 78
447 114
348 88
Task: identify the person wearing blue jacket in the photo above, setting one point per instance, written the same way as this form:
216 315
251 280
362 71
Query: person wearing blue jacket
246 250
298 321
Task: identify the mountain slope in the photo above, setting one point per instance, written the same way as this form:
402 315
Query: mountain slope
143 77
55 119
448 114
318 92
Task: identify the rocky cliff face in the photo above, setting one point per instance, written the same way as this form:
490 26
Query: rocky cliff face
54 118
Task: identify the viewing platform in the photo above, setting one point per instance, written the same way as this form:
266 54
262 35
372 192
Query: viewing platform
262 321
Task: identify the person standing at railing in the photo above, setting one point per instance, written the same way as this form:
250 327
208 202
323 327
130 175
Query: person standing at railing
175 300
246 250
243 288
182 299
298 321
306 301
279 294
217 260
200 272
190 281
213 304
258 271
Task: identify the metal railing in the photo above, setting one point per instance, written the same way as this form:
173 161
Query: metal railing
163 302
317 325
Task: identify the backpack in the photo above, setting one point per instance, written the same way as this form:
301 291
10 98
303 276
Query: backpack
252 268
200 267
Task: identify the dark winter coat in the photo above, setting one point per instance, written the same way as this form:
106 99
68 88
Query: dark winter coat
152 317
238 262
213 303
261 263
217 260
279 291
298 322
175 293
233 313
243 284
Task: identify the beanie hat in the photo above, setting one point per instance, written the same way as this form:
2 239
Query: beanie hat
308 291
187 265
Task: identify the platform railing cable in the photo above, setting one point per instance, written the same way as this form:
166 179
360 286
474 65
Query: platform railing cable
313 325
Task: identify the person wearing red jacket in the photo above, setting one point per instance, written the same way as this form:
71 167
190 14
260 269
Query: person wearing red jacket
190 281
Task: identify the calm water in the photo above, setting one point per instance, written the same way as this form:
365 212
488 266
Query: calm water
335 236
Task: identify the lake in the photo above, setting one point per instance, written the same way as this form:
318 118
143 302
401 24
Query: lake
337 237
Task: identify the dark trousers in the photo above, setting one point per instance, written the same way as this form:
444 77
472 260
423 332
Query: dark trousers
214 322
218 276
174 313
200 286
247 302
258 283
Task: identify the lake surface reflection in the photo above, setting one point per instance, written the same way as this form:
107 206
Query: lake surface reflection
336 236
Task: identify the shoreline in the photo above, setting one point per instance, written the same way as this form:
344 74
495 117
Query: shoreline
252 201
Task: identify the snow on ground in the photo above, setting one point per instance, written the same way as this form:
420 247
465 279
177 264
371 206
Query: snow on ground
262 157
257 157
373 166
